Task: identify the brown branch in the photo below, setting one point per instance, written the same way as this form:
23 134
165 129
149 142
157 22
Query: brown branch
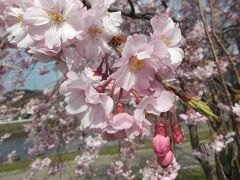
221 44
132 7
215 55
192 101
127 13
164 4
195 143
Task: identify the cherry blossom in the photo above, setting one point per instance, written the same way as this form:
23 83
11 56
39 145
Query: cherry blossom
54 21
17 30
192 117
93 108
122 75
99 27
153 171
137 64
236 110
154 104
220 142
122 126
166 32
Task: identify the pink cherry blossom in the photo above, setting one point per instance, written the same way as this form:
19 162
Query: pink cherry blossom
138 64
54 21
152 170
160 101
236 110
43 70
166 32
193 117
122 126
17 30
99 27
92 108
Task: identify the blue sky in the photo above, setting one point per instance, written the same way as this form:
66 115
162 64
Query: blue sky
35 81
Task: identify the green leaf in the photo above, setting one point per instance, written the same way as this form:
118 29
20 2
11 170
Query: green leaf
203 109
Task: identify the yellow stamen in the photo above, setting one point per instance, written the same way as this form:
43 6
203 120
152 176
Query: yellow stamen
20 19
136 64
166 41
56 17
94 31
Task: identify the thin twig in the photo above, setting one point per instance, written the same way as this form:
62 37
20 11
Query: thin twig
127 13
132 7
215 56
221 44
221 167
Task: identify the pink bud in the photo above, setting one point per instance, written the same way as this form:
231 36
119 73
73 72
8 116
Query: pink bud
161 144
120 107
3 69
43 71
100 89
160 128
165 161
177 132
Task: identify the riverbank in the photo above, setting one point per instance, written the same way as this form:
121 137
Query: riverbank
107 150
190 167
13 128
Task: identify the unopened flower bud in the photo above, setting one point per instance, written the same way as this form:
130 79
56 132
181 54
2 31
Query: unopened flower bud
161 142
120 107
100 89
160 128
177 132
165 161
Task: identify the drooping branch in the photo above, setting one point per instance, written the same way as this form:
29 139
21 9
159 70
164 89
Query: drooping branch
128 13
222 45
192 101
215 57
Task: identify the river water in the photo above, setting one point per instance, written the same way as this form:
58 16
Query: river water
17 142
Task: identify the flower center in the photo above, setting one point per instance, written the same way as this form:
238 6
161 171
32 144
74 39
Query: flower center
56 17
20 19
94 31
165 40
136 64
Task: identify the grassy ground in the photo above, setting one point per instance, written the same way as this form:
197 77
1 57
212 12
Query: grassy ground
102 164
12 128
109 150
191 169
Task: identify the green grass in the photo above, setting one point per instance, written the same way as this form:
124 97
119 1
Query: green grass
190 174
21 165
202 136
14 167
110 150
10 128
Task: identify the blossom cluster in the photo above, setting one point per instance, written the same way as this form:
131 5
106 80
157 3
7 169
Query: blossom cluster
103 69
155 172
161 141
192 117
4 137
120 169
89 155
236 111
38 165
200 155
220 142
